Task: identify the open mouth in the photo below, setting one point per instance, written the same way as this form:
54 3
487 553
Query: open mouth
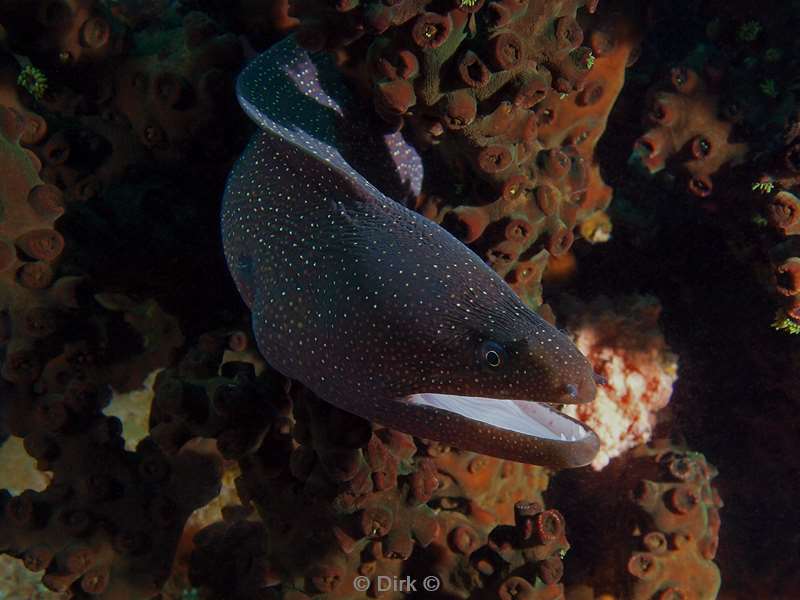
520 416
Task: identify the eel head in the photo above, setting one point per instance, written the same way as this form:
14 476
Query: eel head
493 384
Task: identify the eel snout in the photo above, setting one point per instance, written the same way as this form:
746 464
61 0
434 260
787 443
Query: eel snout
580 389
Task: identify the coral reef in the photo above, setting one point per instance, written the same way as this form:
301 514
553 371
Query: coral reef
378 506
118 126
261 23
105 527
20 584
108 514
63 36
684 114
34 299
677 525
511 102
658 509
626 347
173 88
195 401
724 123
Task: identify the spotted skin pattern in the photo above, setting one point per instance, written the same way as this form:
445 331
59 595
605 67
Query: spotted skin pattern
370 304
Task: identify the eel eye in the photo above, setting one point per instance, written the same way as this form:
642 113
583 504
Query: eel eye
493 354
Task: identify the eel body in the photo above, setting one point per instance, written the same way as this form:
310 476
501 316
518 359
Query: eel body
373 307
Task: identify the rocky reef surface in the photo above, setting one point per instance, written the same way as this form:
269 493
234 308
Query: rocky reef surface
146 449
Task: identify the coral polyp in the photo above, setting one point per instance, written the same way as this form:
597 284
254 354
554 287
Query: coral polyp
33 81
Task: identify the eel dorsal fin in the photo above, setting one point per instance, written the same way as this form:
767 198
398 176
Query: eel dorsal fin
303 101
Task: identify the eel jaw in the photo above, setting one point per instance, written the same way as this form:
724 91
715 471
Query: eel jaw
519 430
525 417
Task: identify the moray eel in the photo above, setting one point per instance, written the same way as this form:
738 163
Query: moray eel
375 308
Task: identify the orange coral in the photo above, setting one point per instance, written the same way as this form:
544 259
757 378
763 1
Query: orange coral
556 185
657 508
84 157
35 127
783 213
677 516
787 276
687 132
32 301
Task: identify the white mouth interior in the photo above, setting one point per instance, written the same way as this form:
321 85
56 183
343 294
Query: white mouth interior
528 418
